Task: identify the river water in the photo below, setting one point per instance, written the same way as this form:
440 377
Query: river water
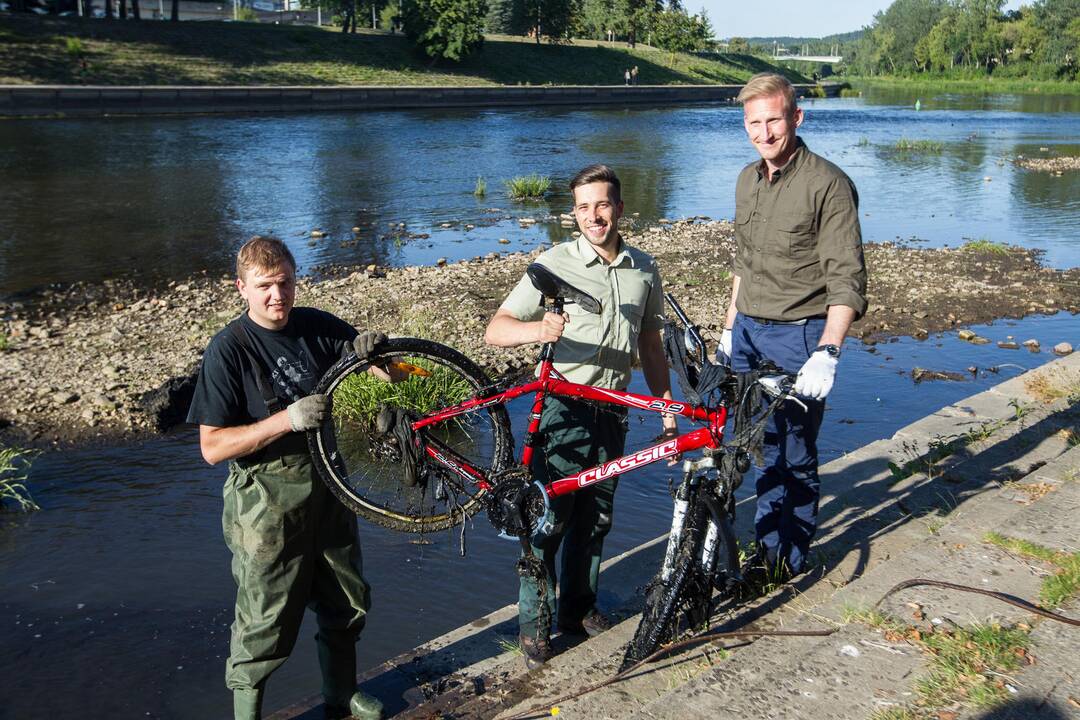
116 596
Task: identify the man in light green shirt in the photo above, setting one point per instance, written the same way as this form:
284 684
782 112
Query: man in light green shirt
590 349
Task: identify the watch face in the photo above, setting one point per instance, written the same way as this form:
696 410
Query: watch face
832 350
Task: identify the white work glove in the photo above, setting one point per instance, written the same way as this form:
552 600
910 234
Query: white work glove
815 379
723 350
308 413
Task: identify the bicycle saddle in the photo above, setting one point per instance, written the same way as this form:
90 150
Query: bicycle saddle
551 285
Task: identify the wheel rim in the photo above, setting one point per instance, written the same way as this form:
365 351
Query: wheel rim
369 473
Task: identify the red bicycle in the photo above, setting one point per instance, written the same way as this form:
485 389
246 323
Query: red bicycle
420 440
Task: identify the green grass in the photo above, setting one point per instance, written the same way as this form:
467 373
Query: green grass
1060 586
962 664
990 85
480 190
33 51
985 245
895 713
510 646
528 187
5 342
965 664
921 146
360 396
14 468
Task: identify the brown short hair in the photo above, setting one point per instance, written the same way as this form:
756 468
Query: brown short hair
262 252
766 84
597 173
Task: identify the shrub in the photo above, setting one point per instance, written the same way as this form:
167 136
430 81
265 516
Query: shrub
14 468
528 187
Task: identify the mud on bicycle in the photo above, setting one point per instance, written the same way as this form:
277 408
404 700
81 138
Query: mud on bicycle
420 440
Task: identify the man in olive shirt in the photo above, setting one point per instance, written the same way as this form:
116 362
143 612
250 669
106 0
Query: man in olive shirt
594 350
799 283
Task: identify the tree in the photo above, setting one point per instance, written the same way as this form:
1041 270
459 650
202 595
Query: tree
738 45
676 31
445 29
175 14
1055 20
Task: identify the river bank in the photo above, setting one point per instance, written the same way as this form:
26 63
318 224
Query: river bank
110 361
986 85
84 51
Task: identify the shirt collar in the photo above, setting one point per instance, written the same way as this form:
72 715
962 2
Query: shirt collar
587 253
790 167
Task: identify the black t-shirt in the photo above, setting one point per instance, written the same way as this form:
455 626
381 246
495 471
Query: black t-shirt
293 360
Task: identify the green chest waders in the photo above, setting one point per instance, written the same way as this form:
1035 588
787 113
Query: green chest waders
293 546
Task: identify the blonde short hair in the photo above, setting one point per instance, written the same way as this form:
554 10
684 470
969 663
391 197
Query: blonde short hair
766 84
263 252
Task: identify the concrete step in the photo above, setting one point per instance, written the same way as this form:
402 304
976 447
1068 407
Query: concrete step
856 671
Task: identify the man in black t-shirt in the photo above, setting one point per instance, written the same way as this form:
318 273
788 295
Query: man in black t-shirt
293 543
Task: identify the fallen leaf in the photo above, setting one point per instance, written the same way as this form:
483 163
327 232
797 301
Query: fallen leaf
947 715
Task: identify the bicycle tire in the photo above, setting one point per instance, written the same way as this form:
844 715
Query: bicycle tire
351 461
684 602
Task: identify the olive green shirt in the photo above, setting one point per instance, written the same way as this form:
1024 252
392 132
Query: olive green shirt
799 243
599 349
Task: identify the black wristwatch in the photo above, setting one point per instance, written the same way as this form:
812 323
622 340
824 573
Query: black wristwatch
832 350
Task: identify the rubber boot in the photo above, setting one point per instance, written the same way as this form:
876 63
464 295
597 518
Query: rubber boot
247 703
365 707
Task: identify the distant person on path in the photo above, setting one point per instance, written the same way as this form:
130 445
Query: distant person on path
799 283
293 544
595 350
633 75
627 76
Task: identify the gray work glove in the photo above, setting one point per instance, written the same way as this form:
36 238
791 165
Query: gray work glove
366 342
309 412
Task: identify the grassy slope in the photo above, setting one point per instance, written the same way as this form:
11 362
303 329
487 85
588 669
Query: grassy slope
988 85
33 50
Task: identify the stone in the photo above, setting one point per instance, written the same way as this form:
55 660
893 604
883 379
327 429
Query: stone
317 234
441 262
504 241
1032 345
356 229
965 334
1008 345
979 340
64 397
1063 348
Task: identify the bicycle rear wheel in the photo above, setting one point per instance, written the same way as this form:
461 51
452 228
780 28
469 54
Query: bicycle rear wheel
684 602
365 469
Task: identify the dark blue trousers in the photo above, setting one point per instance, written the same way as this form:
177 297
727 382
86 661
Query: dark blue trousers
788 488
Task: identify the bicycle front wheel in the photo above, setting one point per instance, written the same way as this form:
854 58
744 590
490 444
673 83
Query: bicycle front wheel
683 603
365 468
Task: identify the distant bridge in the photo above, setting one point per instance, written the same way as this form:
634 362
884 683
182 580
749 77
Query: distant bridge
811 58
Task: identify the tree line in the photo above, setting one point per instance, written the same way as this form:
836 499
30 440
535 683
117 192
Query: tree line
452 29
970 38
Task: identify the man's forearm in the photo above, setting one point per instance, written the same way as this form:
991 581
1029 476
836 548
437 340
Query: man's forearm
220 444
729 319
837 323
508 331
654 367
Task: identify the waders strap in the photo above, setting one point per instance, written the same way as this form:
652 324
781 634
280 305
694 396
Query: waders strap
262 380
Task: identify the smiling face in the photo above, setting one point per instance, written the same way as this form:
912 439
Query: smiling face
597 209
269 294
771 124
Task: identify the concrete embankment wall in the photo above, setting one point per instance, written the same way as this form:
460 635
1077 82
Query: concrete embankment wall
83 101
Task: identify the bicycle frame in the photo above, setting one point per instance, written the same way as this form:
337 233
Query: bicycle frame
551 382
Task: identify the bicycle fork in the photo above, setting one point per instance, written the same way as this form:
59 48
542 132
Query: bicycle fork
687 497
719 534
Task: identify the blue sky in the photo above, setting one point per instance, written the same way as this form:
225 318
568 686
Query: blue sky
800 18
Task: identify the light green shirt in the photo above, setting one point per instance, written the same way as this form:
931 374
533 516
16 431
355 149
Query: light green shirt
599 349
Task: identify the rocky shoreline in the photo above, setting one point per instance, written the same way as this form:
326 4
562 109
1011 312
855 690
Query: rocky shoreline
1053 165
111 361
